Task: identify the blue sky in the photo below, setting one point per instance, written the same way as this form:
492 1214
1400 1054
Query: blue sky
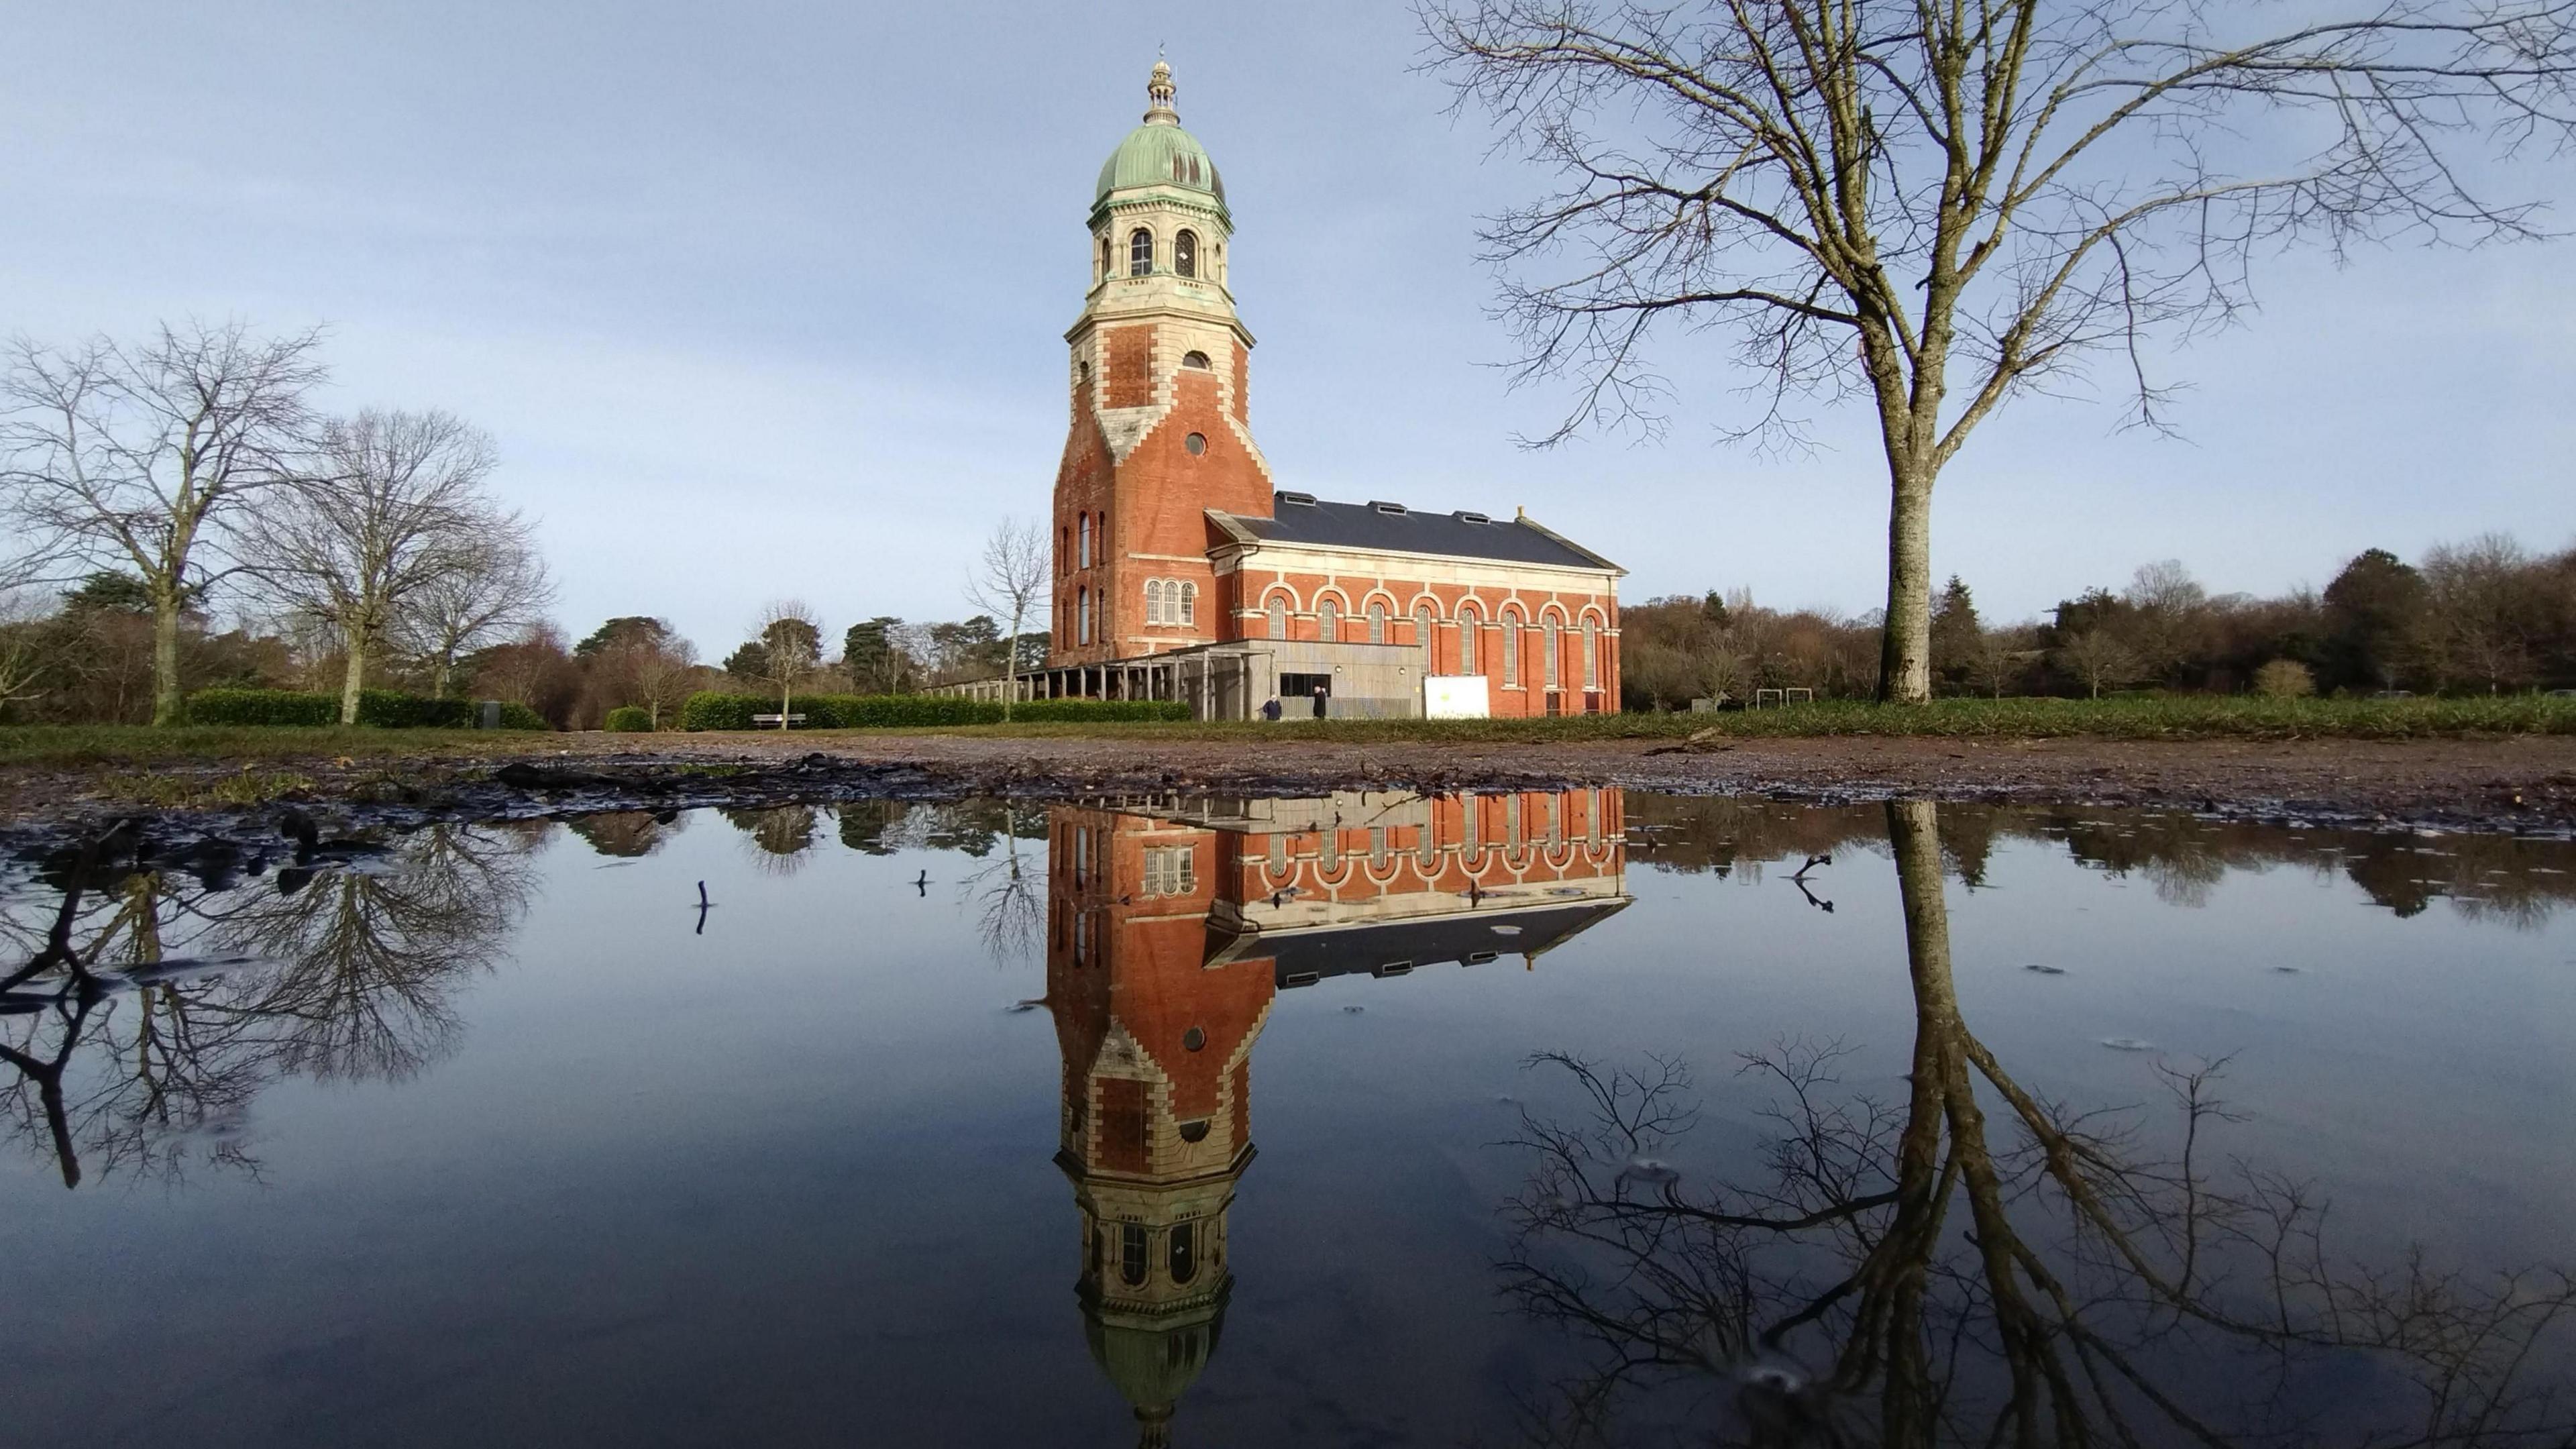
766 299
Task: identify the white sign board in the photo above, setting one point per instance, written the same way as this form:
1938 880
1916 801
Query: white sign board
1454 696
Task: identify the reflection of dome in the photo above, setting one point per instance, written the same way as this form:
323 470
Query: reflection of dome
1152 1359
1160 153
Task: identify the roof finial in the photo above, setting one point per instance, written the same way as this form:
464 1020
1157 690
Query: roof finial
1158 91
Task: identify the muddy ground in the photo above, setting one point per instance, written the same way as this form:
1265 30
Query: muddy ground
2523 783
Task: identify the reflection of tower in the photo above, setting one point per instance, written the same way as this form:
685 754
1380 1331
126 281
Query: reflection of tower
1171 926
1156 1122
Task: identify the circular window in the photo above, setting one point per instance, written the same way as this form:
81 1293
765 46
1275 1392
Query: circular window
1196 443
1194 1038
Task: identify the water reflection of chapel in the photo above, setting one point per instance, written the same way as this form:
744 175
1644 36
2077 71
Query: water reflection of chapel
1172 926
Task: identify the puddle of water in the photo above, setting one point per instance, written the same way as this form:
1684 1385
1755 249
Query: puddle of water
1642 1117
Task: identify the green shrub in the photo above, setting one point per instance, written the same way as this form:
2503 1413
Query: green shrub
262 707
627 719
377 708
711 711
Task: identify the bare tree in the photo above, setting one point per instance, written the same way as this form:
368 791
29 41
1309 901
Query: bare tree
397 504
1013 582
139 456
2098 657
791 649
662 671
498 591
2479 612
1943 206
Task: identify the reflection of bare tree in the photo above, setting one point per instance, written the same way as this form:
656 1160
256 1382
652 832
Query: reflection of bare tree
627 833
779 836
2098 1289
1010 899
196 999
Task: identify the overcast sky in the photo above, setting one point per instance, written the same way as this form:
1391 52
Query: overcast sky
766 299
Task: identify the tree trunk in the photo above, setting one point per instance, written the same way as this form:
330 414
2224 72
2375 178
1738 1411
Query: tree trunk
354 679
169 706
1905 643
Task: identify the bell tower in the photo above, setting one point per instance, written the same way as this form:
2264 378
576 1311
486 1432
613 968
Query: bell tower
1161 428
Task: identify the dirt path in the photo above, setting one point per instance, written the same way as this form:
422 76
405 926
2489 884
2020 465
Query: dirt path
2523 782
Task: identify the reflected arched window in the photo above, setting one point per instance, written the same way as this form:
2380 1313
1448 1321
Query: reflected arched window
1278 617
1470 625
1377 623
1184 1252
1131 1253
1140 253
1189 603
1185 254
1328 621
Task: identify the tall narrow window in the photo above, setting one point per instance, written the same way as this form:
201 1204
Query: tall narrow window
1185 1240
1185 254
1140 253
1189 604
1422 635
1082 616
1377 623
1548 635
1511 649
1153 601
1104 261
1470 625
1082 556
1328 621
1278 617
1591 655
1131 1253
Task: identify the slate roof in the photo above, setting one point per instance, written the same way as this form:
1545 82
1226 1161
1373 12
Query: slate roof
1299 518
1312 955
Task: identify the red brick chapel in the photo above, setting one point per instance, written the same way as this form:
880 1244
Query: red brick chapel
1184 571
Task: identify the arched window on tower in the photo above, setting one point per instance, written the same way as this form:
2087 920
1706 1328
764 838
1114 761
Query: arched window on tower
1131 1253
1278 617
1183 1252
1104 261
1140 253
1185 254
1197 360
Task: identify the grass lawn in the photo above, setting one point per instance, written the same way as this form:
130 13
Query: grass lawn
2132 717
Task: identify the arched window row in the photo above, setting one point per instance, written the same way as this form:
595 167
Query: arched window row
1186 255
1171 601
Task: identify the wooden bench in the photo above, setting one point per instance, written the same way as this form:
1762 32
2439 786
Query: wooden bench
771 719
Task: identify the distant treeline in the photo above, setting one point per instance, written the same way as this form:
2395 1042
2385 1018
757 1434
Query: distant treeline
2482 617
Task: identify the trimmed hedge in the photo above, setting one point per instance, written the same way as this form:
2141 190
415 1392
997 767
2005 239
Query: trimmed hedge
629 719
712 711
377 708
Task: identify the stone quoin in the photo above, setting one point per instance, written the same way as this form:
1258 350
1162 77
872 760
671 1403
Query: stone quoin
1184 571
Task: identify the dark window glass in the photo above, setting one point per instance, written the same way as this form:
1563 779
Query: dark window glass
1140 253
1185 1252
1131 1253
1185 254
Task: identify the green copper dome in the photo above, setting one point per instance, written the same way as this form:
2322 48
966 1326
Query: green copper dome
1159 153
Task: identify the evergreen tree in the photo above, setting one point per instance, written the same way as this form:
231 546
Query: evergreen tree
1956 632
